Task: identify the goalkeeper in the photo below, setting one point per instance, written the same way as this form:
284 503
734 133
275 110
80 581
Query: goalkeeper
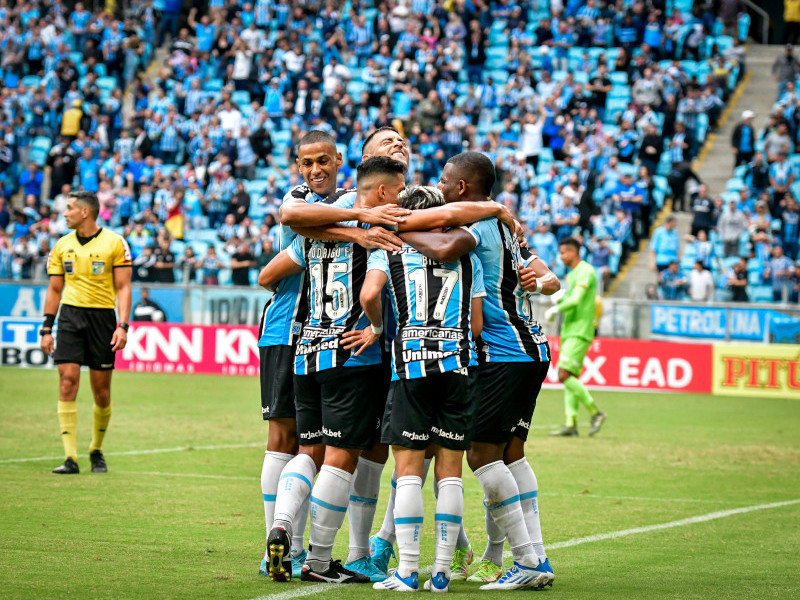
577 333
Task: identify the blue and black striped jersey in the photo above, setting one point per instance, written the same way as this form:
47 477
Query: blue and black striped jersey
335 272
431 302
284 312
511 333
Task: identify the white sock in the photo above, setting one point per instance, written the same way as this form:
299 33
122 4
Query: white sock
361 509
387 528
270 474
299 528
494 541
408 516
449 515
293 487
529 500
328 506
462 541
501 497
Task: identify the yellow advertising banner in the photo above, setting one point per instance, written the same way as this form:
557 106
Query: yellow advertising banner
762 370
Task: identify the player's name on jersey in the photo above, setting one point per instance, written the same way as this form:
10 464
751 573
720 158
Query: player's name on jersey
327 252
425 354
432 333
312 333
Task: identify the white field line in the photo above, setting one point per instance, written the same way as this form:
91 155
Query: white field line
256 478
137 452
322 587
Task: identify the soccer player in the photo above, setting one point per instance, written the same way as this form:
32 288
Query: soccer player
89 269
337 394
367 555
577 333
513 365
429 401
318 162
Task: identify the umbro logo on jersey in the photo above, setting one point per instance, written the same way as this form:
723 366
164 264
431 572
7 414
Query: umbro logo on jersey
414 437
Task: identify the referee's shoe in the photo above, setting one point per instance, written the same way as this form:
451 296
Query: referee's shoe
98 462
69 467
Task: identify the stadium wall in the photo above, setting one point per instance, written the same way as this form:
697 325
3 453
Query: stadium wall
614 364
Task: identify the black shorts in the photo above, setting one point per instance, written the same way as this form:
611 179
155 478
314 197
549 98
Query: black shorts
84 337
505 397
339 407
436 409
277 382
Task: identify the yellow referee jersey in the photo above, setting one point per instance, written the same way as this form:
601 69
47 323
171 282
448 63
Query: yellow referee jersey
88 268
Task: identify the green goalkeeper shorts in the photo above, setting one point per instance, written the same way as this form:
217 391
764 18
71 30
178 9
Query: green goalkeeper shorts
571 353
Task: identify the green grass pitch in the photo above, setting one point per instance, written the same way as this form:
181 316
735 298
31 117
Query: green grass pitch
185 521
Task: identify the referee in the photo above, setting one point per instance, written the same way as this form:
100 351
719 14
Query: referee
88 268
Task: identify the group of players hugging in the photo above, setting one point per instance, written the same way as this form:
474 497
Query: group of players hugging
401 318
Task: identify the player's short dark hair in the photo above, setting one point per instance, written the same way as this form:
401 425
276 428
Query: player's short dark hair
379 165
89 199
373 134
316 136
418 197
476 168
571 241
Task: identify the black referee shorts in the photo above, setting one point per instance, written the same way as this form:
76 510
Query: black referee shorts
277 385
84 337
504 396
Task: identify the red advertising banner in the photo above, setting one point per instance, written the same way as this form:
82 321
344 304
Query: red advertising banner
176 348
233 350
643 365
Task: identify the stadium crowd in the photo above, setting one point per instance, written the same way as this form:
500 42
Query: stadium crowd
592 112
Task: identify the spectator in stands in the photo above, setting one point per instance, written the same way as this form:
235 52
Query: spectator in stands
778 142
732 223
701 283
790 227
781 178
211 265
143 265
791 18
794 297
188 264
743 139
758 173
673 283
164 267
704 211
785 69
651 148
779 271
702 249
664 245
242 261
31 181
599 257
760 219
737 281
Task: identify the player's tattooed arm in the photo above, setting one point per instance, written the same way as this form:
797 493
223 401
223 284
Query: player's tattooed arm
440 246
537 277
302 214
278 268
456 214
374 237
370 300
